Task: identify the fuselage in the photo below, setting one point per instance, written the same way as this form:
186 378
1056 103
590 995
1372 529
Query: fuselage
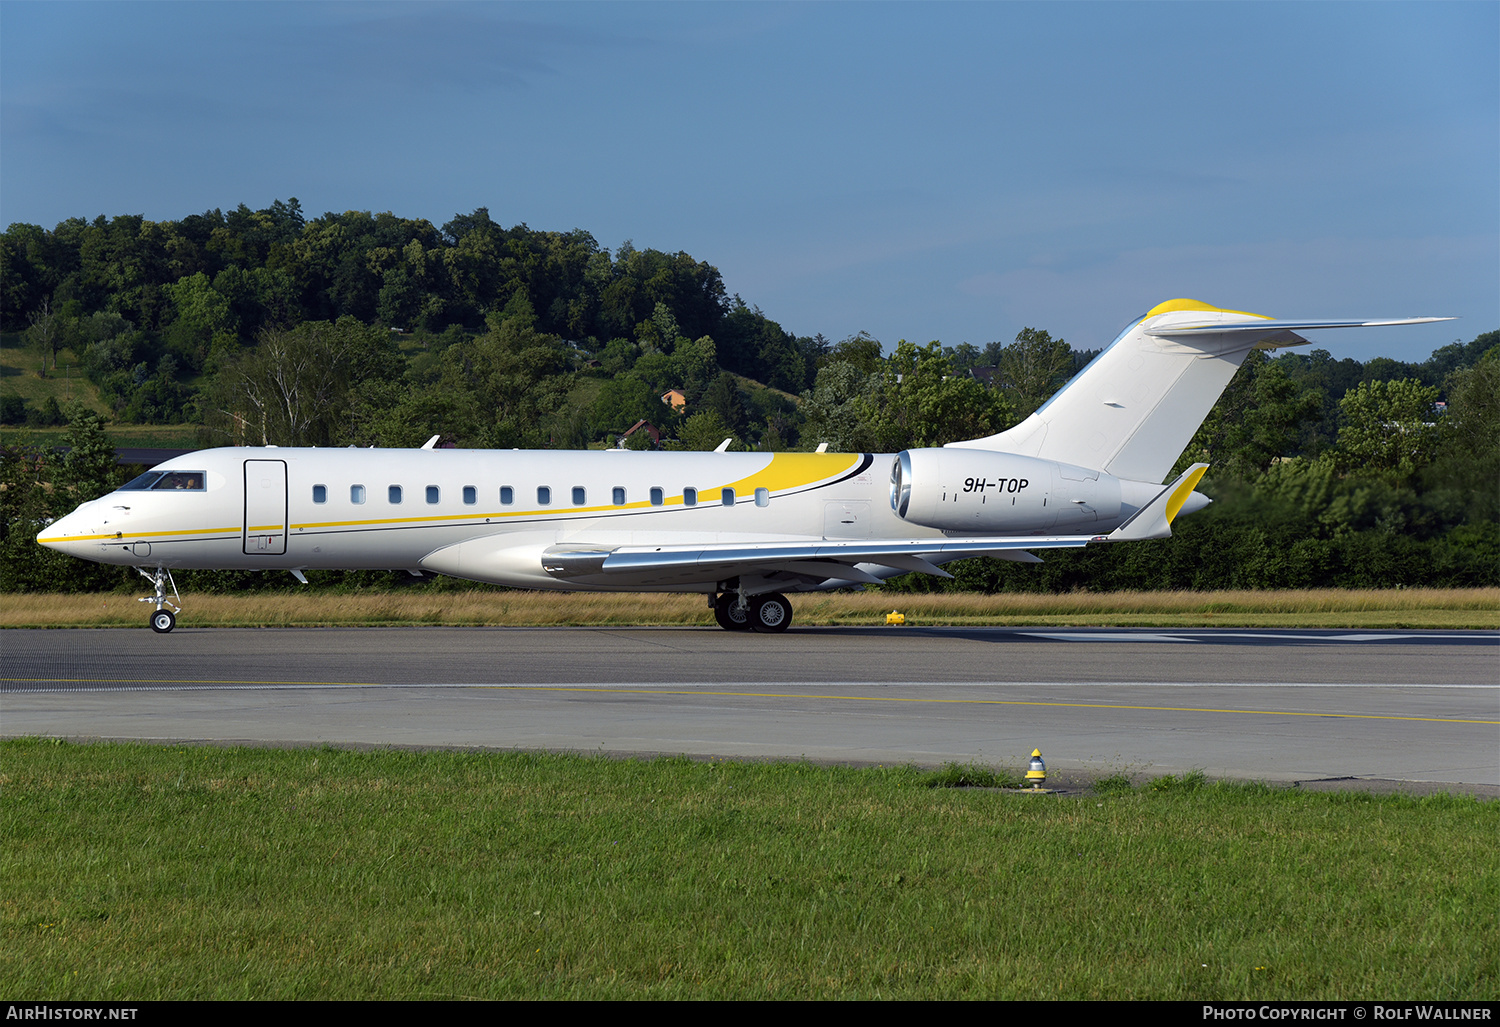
272 508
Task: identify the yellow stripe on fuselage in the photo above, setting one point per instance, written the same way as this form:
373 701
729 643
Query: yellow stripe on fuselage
141 534
782 473
796 470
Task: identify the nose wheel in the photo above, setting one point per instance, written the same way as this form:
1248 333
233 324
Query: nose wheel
162 619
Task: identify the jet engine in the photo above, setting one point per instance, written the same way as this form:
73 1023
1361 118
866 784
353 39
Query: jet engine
982 492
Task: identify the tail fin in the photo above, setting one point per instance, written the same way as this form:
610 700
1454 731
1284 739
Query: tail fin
1135 407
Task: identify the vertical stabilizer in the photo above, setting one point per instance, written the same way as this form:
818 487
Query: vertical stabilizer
1135 407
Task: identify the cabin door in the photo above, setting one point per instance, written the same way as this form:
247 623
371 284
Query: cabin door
265 507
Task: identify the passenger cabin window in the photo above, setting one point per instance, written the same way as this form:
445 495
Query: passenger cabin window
543 495
320 493
726 497
689 497
393 495
579 495
432 493
356 494
471 495
658 497
507 495
618 496
762 497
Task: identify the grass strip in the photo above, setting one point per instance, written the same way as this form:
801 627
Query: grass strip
1322 608
141 872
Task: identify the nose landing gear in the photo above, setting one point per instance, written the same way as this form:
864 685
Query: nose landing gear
162 620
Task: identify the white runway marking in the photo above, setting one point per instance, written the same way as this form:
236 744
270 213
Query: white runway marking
1204 636
1102 636
103 685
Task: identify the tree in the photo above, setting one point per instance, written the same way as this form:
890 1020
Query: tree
703 432
696 365
918 401
1474 406
1466 471
862 350
834 410
659 333
1259 418
12 409
517 375
624 400
89 469
43 335
1388 429
203 323
1032 368
295 388
723 398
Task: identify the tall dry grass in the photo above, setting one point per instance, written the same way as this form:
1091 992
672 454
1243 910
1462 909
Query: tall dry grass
1431 608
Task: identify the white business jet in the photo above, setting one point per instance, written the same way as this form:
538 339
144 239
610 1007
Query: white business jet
742 529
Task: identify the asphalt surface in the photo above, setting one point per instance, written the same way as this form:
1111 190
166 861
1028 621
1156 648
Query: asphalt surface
1399 709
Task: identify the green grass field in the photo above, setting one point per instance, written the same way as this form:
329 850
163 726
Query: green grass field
137 872
314 607
19 367
66 383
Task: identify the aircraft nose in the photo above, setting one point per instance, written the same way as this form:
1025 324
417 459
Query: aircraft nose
53 535
63 535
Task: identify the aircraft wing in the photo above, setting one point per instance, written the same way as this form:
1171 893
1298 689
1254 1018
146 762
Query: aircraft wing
837 560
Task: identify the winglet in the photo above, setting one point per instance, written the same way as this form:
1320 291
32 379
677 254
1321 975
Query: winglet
1154 520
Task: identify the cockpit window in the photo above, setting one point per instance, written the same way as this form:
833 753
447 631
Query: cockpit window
145 481
179 481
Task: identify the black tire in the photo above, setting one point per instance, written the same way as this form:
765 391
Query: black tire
163 621
770 613
729 615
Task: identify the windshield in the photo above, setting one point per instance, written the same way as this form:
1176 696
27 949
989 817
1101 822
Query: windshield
145 481
166 481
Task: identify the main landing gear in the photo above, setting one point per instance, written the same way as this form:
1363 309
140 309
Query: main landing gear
162 620
769 612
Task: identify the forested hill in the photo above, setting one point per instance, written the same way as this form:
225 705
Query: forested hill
216 280
368 329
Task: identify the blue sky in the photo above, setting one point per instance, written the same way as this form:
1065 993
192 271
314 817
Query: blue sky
919 171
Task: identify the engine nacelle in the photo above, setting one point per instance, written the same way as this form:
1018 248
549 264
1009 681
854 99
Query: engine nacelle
981 492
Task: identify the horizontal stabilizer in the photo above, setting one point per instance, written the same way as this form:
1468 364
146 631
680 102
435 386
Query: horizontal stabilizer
1259 325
